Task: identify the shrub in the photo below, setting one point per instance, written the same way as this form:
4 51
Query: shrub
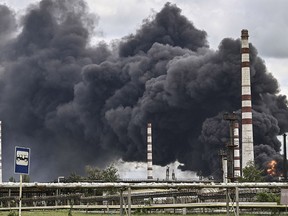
267 197
13 213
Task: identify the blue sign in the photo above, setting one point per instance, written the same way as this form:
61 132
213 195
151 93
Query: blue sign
22 160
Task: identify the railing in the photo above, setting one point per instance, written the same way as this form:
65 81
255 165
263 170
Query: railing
80 195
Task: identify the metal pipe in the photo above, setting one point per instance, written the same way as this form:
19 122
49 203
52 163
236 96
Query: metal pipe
121 203
20 195
129 201
141 185
237 200
227 201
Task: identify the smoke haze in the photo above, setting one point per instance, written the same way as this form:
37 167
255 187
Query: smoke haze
76 104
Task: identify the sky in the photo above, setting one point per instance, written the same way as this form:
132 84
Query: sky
264 19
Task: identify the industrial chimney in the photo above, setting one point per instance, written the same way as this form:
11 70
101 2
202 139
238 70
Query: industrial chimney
237 171
149 152
247 128
225 168
167 173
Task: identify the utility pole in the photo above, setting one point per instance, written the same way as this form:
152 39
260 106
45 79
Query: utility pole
231 117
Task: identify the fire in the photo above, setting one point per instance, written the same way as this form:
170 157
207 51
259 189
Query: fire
271 167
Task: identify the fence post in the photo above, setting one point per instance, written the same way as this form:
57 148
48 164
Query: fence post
129 201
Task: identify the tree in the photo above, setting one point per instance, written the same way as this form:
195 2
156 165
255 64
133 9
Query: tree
108 175
251 173
267 197
12 179
25 178
93 173
74 178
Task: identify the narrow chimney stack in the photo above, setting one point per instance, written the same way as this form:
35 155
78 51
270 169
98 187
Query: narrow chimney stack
237 171
225 168
247 127
149 152
167 173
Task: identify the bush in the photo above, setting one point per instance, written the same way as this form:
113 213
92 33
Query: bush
267 197
70 212
13 213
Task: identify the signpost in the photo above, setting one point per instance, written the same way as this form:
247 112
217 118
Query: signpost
22 162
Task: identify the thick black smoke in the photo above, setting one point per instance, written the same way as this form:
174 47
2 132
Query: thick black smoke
76 104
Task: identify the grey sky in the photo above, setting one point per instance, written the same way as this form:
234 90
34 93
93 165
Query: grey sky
266 21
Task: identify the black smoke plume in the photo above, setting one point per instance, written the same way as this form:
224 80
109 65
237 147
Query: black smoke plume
76 104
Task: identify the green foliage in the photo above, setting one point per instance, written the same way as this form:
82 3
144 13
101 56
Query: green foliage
251 173
26 178
13 213
110 174
268 197
141 211
74 178
95 174
70 212
12 179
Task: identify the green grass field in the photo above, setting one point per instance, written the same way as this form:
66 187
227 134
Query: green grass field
49 213
75 213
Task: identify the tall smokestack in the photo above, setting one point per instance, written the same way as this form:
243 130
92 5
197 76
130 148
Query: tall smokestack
224 164
1 152
225 168
237 172
167 173
247 128
149 152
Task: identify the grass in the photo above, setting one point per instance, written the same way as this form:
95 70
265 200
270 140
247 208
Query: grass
76 213
48 213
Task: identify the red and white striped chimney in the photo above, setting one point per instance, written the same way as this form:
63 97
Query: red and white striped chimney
237 171
247 127
149 152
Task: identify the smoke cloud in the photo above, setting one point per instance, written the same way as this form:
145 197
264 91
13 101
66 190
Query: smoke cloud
76 104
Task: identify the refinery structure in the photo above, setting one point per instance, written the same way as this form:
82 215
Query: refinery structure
160 97
178 196
231 162
231 168
157 98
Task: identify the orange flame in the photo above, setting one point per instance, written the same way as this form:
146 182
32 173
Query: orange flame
271 168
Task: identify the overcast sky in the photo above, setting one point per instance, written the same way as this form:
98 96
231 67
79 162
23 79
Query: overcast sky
266 21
